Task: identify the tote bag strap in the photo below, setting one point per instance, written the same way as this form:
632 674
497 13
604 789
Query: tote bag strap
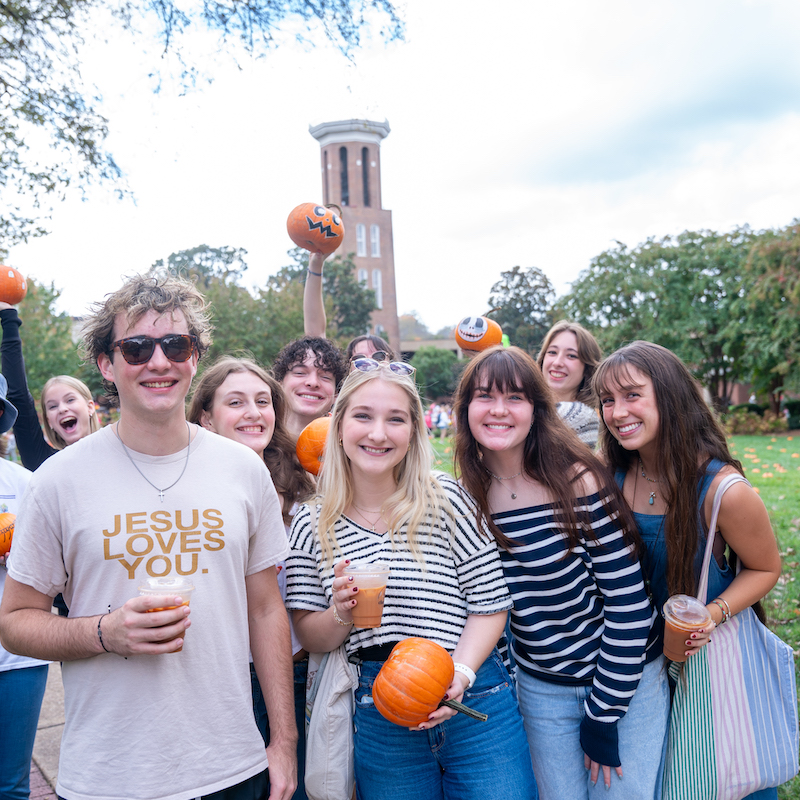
725 484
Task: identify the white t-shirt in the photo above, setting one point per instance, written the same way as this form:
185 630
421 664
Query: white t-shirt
13 482
174 726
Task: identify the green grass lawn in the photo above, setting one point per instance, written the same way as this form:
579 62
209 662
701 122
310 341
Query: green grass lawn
772 465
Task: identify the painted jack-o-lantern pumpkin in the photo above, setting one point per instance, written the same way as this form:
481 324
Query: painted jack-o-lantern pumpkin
315 227
478 333
310 446
6 532
413 681
13 287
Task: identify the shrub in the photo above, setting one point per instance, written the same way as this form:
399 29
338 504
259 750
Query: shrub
753 408
747 423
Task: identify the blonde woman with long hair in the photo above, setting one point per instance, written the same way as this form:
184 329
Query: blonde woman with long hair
379 501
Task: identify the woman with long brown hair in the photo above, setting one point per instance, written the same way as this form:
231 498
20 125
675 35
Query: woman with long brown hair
581 617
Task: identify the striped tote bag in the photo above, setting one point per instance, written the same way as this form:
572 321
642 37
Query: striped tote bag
733 727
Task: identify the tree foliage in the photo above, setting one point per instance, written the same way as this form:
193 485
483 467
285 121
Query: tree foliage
47 344
438 371
53 135
521 303
767 314
679 292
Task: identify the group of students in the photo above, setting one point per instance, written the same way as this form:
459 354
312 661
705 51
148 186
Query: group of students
582 549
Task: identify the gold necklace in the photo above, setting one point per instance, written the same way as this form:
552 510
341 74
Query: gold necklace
366 519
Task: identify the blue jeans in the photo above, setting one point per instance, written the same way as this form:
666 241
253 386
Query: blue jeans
553 712
21 693
260 713
459 759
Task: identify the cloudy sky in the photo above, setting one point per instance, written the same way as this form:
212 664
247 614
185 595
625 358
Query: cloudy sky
523 133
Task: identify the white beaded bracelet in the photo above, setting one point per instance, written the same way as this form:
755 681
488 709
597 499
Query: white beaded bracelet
465 670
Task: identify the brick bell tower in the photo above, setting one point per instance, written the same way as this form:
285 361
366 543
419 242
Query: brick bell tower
351 178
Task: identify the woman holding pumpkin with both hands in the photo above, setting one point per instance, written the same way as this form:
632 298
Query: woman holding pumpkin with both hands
581 616
379 501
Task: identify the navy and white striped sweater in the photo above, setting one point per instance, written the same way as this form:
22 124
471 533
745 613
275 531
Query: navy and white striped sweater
580 616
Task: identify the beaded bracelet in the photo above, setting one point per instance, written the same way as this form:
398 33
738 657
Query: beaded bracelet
726 609
100 633
339 619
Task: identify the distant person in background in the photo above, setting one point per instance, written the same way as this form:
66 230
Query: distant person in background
22 679
568 357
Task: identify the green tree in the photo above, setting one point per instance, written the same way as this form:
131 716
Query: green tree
351 303
204 264
678 292
767 313
45 99
438 371
47 344
521 304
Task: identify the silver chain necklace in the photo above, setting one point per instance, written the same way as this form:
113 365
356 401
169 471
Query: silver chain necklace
136 466
652 498
509 478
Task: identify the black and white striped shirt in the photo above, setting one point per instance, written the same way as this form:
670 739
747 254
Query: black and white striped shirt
580 616
461 574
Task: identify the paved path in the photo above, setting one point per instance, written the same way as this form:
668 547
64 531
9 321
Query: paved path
48 738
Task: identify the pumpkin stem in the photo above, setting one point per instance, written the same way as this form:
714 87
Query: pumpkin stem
470 712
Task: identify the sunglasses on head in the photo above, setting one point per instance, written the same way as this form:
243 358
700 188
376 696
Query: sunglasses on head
176 347
400 368
378 355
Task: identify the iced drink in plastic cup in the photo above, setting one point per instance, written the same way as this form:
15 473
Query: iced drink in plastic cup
683 615
168 587
371 582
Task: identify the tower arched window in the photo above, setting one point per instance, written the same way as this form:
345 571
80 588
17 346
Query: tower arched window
343 176
365 175
362 277
361 239
375 240
377 287
325 168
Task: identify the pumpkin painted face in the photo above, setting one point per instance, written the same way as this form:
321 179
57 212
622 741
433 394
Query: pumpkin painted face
478 333
316 228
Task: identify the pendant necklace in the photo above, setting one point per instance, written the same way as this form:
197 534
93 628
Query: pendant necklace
651 480
509 478
185 463
366 519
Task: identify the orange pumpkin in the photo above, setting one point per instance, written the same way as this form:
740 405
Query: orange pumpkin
6 532
310 446
413 681
315 227
13 287
478 333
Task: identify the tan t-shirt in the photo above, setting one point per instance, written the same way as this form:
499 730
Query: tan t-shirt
168 727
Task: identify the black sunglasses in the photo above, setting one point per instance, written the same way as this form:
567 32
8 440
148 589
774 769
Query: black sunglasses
176 347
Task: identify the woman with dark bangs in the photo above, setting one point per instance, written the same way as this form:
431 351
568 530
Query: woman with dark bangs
581 617
669 454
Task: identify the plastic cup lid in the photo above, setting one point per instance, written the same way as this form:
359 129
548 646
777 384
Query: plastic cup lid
686 609
166 585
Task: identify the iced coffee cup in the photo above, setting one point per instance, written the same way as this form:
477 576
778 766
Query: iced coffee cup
171 588
683 615
371 582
